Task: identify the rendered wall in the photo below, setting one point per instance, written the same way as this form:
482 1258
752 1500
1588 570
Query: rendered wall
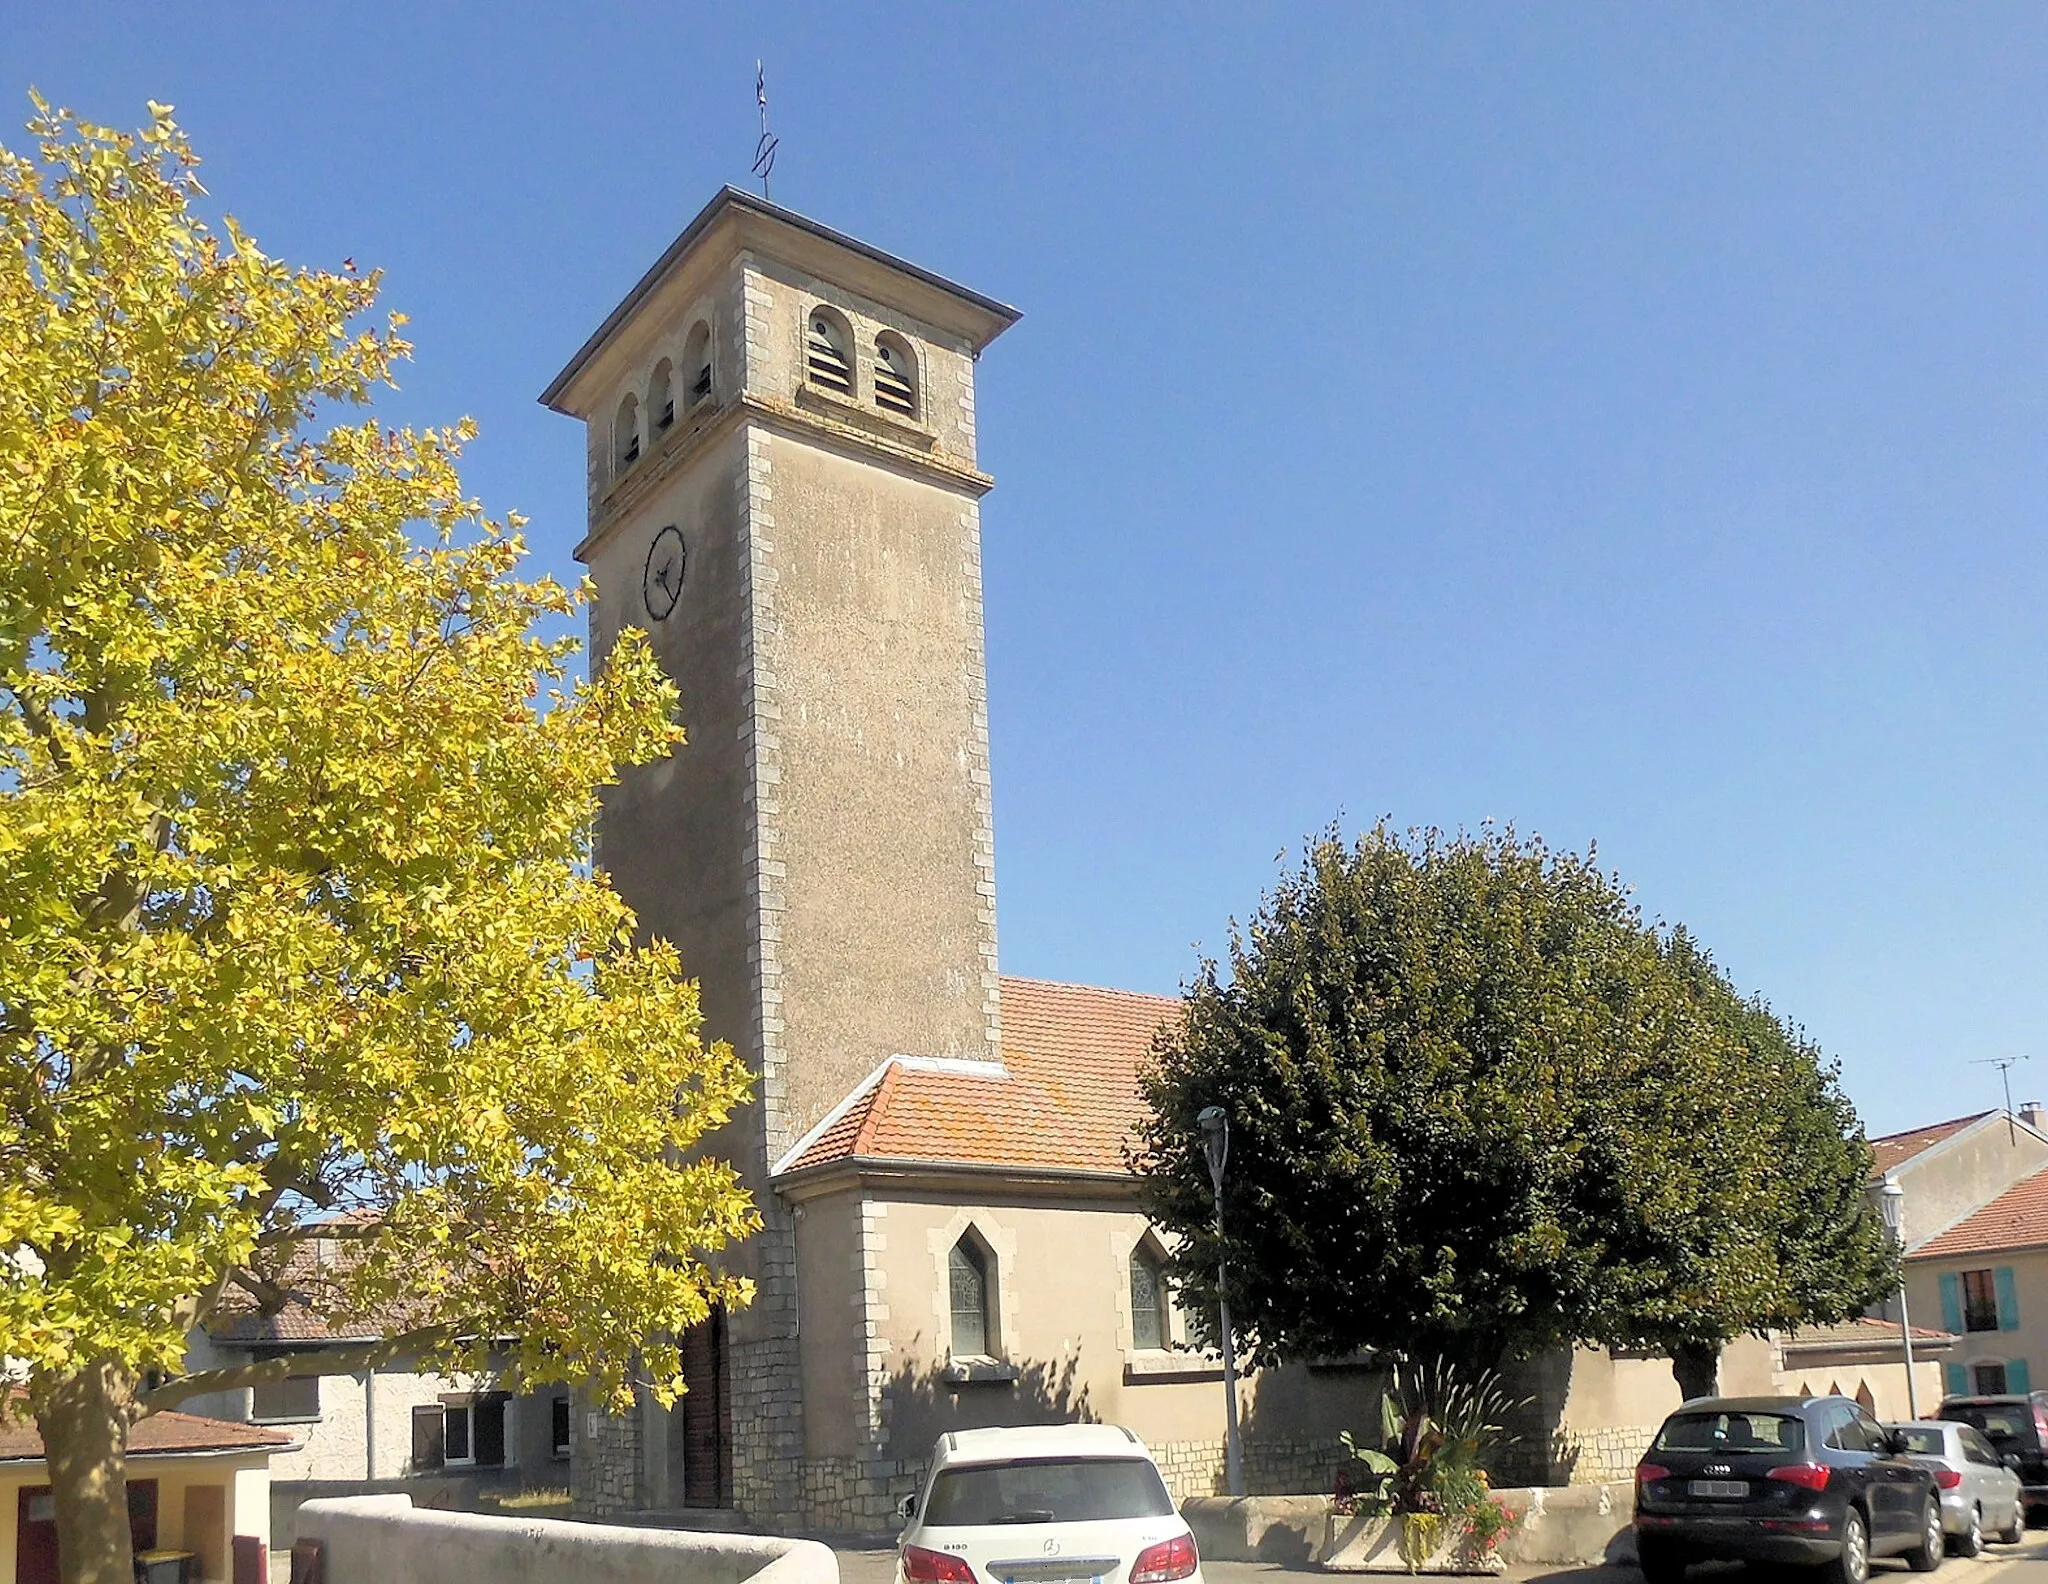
379 1539
2028 1340
242 1482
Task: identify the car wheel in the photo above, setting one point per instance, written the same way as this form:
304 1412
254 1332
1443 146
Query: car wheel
1852 1566
1971 1540
2017 1531
1661 1562
1926 1556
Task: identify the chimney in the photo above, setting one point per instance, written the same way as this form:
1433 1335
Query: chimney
2034 1115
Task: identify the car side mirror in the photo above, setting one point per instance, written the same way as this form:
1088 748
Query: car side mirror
1896 1444
2012 1461
906 1509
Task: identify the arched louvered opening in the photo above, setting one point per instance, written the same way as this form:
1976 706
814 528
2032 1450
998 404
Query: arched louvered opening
661 397
697 365
973 1315
1149 1324
828 352
626 432
895 375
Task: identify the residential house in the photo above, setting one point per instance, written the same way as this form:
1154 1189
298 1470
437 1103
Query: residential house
1975 1232
195 1484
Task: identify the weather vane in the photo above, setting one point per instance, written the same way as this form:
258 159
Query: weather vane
2005 1065
764 151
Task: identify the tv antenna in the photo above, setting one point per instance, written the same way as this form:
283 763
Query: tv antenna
2005 1065
764 151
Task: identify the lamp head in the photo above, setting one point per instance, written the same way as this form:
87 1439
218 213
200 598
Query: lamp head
1214 1122
1891 1200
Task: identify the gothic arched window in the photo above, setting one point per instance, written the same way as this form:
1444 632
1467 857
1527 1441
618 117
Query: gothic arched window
895 375
1149 1328
967 1273
828 351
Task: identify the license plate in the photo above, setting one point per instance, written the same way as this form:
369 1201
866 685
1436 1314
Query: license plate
1718 1487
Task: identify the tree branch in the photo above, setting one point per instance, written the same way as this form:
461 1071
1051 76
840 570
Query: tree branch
345 1360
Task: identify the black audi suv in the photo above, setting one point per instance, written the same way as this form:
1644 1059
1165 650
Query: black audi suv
1782 1479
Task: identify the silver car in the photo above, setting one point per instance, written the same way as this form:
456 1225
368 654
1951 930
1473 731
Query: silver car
1978 1492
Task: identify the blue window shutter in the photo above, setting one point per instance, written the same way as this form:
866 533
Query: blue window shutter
2008 1299
2016 1376
1956 1377
1952 1303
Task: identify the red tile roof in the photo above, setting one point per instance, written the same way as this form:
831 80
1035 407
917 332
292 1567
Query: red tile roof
1064 1099
1894 1149
1863 1329
161 1432
2016 1219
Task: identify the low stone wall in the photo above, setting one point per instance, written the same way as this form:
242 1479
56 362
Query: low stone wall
1271 1468
385 1540
1560 1526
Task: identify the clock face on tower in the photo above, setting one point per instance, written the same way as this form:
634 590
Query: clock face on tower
663 584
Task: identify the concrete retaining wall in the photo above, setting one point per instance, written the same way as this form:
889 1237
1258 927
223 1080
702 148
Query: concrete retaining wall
1563 1525
385 1539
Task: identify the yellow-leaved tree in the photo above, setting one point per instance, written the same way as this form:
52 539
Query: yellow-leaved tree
300 934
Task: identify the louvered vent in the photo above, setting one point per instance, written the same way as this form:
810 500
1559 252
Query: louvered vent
893 389
827 359
700 387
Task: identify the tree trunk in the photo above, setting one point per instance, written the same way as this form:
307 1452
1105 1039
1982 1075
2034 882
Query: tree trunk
1697 1367
84 1419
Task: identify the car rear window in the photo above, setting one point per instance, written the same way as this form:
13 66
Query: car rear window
1997 1422
1047 1490
1732 1432
1928 1443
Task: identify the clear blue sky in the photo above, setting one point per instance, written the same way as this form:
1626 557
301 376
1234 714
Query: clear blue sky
1625 421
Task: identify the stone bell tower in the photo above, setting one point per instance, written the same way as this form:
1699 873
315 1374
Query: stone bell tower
783 492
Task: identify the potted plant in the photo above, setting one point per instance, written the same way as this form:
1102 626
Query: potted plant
1423 1487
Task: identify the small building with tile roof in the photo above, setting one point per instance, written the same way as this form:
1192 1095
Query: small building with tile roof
195 1484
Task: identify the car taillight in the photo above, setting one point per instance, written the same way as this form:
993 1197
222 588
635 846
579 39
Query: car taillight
934 1567
1948 1479
1168 1560
1645 1472
1813 1476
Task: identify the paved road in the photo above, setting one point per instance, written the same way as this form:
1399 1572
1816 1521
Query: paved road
2020 1564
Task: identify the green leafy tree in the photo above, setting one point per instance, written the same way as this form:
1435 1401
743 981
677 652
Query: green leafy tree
299 932
1479 1108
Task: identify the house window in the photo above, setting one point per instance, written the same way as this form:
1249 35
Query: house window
460 1432
968 1269
626 432
697 364
661 398
297 1397
1148 1300
895 375
1988 1380
828 352
1980 1302
558 1434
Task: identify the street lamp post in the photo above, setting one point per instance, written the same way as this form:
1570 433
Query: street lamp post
1891 1199
1215 1126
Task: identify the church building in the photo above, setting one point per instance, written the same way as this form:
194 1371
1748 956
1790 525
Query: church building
784 491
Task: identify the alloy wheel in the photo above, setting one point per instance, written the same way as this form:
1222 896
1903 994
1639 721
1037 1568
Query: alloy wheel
1855 1549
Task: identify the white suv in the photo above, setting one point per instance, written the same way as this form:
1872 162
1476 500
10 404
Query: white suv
1044 1504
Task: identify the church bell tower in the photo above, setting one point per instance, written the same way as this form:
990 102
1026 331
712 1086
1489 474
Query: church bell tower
783 492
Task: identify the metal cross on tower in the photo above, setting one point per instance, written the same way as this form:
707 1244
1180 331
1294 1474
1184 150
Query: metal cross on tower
764 151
